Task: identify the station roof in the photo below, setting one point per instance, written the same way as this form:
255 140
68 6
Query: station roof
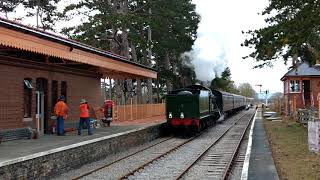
16 35
303 69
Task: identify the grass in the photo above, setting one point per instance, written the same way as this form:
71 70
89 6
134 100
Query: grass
289 142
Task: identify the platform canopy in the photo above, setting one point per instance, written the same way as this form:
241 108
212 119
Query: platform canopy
15 35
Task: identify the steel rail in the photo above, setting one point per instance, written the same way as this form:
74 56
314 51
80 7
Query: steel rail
213 144
158 157
168 152
229 165
120 159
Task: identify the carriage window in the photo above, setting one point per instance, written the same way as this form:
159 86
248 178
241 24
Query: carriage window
27 97
64 89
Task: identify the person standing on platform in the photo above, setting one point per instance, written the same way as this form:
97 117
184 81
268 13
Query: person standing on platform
84 117
61 111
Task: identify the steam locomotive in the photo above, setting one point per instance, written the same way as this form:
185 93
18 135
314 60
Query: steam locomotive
197 107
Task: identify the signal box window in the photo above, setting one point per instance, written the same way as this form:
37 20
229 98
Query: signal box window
27 97
294 86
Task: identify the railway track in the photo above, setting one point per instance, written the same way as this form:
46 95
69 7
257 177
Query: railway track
217 160
122 159
166 167
128 167
180 142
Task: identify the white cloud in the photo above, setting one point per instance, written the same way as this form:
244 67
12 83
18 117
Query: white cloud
219 39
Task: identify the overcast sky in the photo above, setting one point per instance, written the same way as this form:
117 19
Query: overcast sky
219 39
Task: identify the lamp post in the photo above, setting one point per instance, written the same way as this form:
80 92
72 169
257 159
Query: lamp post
266 97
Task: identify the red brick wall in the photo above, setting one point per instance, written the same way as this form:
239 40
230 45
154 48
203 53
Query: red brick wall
11 92
314 87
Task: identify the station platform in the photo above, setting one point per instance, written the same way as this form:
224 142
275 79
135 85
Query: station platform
261 164
45 155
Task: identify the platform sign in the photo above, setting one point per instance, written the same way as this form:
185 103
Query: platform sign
313 136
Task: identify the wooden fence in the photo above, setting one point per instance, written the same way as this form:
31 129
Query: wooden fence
137 111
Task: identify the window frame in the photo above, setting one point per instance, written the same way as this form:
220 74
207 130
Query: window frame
54 94
295 86
27 96
64 90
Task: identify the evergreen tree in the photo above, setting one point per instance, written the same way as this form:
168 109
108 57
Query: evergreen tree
45 12
9 6
173 25
224 83
292 32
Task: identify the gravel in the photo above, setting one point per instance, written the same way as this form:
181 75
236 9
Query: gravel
215 162
168 167
123 167
237 166
173 164
110 158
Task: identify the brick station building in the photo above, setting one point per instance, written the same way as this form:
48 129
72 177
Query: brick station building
37 67
301 87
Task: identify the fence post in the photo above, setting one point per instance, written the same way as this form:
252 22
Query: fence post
114 112
136 110
319 105
294 104
131 109
279 104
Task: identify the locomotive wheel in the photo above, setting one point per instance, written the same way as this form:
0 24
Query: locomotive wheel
203 125
198 128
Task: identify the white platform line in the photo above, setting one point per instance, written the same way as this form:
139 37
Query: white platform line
51 151
245 168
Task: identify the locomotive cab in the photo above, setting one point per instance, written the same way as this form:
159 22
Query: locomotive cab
181 107
190 108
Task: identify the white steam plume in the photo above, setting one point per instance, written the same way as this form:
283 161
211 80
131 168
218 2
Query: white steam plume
207 57
208 54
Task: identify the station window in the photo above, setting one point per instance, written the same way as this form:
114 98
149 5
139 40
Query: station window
64 89
54 94
27 97
294 86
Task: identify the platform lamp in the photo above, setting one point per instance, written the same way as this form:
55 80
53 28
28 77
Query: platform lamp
260 85
266 93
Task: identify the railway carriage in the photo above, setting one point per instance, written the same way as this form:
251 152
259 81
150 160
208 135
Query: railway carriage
229 103
249 101
239 102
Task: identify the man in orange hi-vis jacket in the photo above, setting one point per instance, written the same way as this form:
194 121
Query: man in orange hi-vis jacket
84 116
61 111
